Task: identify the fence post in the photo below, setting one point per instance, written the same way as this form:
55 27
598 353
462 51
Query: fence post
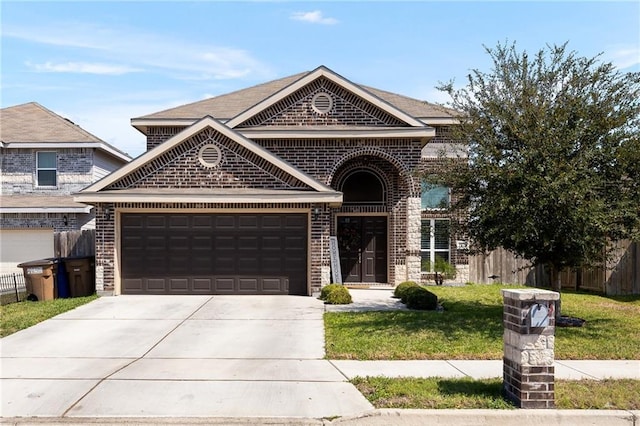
15 286
529 344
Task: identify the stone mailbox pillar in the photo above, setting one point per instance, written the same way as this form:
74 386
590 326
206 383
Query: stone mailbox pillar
529 328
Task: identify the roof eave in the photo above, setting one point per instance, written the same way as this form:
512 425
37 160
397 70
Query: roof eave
79 209
296 133
333 198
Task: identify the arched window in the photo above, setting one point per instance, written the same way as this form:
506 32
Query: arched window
363 187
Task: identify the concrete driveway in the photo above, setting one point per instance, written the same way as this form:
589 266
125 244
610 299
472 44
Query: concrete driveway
177 356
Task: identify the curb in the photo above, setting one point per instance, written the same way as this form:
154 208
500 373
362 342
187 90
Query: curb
374 418
472 417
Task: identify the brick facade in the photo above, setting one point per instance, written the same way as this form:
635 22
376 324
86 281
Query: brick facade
18 177
74 171
328 160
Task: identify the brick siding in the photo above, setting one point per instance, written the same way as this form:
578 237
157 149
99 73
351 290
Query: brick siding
74 171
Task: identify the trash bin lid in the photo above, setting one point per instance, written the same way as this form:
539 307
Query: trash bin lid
39 262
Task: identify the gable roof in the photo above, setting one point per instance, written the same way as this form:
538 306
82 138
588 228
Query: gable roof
330 75
228 106
31 125
98 191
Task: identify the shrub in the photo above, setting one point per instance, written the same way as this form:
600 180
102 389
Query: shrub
441 267
421 298
339 296
326 290
402 288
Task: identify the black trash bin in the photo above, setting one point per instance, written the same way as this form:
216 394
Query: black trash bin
80 271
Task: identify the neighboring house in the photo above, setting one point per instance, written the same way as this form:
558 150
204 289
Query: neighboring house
240 194
45 158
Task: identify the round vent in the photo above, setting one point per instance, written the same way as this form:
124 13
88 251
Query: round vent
210 156
322 103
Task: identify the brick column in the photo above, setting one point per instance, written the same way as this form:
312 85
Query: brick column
529 327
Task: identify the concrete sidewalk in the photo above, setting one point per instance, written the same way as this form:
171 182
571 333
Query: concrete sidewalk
565 370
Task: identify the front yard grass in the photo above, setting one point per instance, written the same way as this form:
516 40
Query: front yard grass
471 328
439 393
18 316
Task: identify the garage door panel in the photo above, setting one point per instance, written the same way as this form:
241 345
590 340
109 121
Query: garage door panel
224 285
203 285
225 222
214 253
248 285
156 285
156 221
274 285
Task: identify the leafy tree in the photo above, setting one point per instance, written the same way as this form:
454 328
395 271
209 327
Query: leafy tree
553 170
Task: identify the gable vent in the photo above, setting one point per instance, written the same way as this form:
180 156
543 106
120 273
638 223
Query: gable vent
210 156
322 103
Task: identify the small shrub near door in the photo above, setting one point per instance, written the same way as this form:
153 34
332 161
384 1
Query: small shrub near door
335 294
421 298
402 288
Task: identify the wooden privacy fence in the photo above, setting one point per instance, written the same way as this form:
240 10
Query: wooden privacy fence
620 276
74 243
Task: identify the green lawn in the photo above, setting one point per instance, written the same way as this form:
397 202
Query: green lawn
471 328
17 316
439 393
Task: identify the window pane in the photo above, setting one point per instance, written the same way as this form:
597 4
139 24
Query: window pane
46 178
46 160
441 234
425 241
434 196
425 264
444 255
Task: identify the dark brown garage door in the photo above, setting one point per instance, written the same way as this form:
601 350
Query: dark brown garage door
214 253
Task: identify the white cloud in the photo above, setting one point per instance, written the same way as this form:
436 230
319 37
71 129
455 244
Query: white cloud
83 68
314 17
623 56
182 59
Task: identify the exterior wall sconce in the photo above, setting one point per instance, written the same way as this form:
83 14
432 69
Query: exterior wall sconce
316 213
65 220
107 212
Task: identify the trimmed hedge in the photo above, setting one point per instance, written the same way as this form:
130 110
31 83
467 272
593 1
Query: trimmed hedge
421 298
402 288
335 294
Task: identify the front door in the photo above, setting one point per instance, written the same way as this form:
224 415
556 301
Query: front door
362 241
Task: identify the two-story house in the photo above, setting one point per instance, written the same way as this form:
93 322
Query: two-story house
242 193
45 158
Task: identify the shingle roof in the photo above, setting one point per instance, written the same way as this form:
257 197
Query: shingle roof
228 105
31 122
231 104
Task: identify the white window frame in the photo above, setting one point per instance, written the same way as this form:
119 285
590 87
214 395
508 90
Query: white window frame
423 188
38 169
432 250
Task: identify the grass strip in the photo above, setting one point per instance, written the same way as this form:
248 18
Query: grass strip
18 316
471 328
439 393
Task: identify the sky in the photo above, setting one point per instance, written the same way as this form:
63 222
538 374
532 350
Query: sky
101 63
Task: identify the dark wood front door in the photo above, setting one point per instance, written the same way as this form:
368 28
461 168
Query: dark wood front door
362 241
